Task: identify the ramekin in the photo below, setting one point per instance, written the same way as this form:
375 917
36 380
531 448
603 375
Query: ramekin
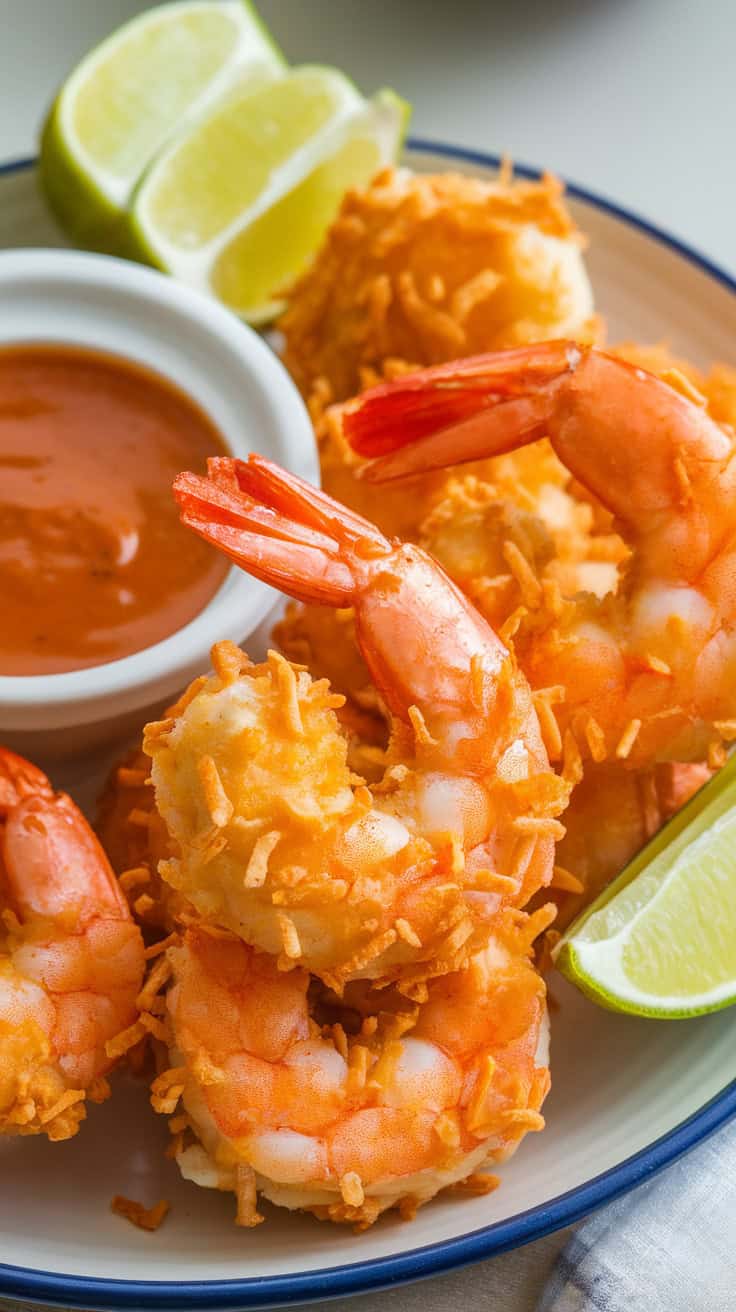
89 300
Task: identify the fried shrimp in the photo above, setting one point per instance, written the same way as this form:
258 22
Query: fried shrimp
498 533
346 1107
428 267
520 531
646 674
72 959
278 841
419 269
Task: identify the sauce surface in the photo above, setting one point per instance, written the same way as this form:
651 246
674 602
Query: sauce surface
94 564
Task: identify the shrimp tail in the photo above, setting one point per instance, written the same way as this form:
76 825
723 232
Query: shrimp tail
452 413
19 779
278 528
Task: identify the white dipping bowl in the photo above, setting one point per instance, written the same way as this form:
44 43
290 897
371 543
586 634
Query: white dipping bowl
77 299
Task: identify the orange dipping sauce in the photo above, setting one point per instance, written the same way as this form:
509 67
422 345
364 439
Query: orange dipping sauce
94 563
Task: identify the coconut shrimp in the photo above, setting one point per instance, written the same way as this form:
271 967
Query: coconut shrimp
523 530
346 1107
647 674
418 269
278 840
428 267
72 959
415 270
485 532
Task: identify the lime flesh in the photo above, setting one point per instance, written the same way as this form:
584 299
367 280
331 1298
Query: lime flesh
661 940
205 181
239 206
276 247
183 141
127 97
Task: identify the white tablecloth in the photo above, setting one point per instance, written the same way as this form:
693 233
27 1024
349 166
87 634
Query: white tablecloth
633 98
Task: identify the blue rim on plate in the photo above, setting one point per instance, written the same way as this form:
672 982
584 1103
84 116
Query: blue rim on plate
433 1259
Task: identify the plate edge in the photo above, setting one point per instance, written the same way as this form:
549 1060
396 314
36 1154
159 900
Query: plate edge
379 1273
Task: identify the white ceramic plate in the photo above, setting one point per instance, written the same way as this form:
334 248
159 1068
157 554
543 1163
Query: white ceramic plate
628 1095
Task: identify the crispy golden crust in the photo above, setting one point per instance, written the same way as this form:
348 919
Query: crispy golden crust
278 840
34 1095
417 270
145 1218
34 1098
135 839
430 268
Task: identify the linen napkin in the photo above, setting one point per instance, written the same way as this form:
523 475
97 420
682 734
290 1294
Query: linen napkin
668 1247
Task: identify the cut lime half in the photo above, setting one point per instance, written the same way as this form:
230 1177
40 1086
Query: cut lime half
661 940
239 204
127 97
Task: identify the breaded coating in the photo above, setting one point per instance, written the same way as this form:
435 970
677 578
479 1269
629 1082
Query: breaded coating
426 268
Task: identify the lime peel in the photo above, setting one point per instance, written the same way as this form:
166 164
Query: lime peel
118 107
185 142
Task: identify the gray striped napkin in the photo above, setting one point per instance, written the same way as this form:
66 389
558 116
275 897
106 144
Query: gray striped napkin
668 1247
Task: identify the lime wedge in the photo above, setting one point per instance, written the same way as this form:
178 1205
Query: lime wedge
128 96
661 940
274 248
238 205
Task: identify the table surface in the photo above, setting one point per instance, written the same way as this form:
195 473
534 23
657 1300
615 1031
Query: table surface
634 99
